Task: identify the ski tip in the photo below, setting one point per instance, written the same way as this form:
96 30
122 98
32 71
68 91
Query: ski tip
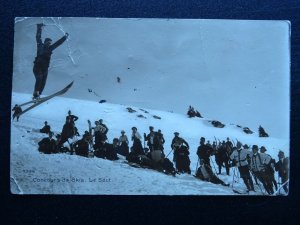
70 84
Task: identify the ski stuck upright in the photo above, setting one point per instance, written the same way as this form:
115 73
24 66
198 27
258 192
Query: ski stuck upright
35 103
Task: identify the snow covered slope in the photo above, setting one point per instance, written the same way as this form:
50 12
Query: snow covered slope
232 71
35 173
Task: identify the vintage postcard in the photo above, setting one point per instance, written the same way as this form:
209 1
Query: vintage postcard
114 106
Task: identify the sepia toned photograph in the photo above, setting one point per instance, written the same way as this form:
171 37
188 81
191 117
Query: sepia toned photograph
131 106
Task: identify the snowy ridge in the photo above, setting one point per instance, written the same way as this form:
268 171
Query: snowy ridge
35 173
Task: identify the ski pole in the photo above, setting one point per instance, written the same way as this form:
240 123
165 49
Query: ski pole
197 166
233 176
214 166
169 153
279 184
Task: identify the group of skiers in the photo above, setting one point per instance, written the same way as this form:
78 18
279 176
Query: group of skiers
251 164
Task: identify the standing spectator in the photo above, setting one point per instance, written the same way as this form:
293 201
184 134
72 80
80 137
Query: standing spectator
240 158
282 166
204 151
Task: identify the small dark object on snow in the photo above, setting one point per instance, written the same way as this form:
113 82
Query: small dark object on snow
247 130
130 110
218 124
102 101
118 79
262 132
144 110
141 116
90 90
157 117
239 126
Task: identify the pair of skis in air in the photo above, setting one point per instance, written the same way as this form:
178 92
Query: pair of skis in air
35 103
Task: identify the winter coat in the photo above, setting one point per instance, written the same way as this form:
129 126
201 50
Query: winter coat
259 162
204 152
110 152
136 136
17 110
46 129
240 157
282 166
47 146
71 119
82 148
44 52
123 140
156 155
177 140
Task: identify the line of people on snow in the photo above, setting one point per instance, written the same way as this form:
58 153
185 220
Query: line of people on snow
258 165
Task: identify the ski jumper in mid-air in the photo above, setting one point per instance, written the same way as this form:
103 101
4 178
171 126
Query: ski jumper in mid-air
42 60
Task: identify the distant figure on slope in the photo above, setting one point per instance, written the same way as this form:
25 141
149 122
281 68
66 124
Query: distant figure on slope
17 110
205 173
46 128
42 60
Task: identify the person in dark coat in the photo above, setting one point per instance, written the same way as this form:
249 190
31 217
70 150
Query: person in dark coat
82 147
137 147
67 132
70 119
282 166
204 151
222 157
182 159
110 152
48 145
205 173
176 143
46 128
42 59
161 140
150 138
123 142
17 110
229 145
270 167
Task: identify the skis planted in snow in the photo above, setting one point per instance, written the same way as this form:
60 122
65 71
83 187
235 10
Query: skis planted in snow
240 192
35 103
280 187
